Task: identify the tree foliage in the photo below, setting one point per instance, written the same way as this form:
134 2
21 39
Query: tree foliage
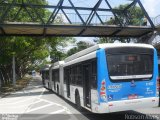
81 45
133 16
29 52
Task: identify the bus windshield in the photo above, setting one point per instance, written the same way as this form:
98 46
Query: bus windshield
130 66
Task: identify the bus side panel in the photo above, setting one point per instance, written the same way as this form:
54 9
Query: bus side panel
101 81
61 77
50 78
156 69
94 100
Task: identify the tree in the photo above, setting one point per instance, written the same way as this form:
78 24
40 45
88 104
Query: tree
80 46
30 52
133 16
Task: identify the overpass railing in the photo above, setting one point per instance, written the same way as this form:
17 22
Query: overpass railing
73 18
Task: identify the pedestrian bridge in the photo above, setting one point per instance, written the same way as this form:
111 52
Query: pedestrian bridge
33 29
70 20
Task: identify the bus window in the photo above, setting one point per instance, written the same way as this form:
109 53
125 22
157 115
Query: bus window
47 74
129 66
57 75
65 75
79 75
94 75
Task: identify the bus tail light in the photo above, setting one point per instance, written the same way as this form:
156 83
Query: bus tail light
158 85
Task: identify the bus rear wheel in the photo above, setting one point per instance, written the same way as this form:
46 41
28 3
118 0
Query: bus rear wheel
78 103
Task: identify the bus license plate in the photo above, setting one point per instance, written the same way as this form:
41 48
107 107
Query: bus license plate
134 96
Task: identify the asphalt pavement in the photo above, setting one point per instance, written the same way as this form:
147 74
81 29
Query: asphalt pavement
36 103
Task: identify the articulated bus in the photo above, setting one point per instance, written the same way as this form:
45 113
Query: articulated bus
45 76
108 77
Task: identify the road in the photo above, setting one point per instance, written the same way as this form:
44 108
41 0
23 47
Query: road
36 103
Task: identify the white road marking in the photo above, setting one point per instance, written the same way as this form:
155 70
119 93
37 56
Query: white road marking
10 99
31 110
45 100
66 109
19 106
29 106
17 101
29 101
58 111
41 93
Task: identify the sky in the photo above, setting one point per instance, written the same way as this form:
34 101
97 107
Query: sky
151 6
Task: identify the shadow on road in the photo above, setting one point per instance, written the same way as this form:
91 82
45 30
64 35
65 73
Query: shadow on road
34 88
34 85
124 115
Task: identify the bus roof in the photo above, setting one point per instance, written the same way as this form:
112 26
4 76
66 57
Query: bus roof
45 67
56 64
105 45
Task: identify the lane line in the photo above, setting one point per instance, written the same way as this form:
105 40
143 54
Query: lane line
45 100
19 106
30 105
31 110
58 111
73 117
17 101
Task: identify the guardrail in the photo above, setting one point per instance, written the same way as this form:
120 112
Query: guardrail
96 20
72 18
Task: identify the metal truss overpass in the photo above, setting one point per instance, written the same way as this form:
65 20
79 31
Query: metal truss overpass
153 38
157 23
63 19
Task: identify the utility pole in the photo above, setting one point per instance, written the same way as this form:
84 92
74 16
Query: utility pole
14 70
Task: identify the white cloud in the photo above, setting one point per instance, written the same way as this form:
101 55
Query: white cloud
152 7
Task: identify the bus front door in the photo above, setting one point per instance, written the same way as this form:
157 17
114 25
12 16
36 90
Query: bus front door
86 85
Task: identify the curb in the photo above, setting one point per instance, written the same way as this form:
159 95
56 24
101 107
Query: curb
4 95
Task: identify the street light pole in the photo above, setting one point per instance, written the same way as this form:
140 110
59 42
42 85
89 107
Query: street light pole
14 70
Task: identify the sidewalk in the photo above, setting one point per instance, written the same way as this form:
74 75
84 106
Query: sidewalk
2 95
18 102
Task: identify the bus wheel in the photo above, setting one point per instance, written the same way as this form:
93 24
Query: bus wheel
78 103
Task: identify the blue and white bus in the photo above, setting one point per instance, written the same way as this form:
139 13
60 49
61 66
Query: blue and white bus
111 77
